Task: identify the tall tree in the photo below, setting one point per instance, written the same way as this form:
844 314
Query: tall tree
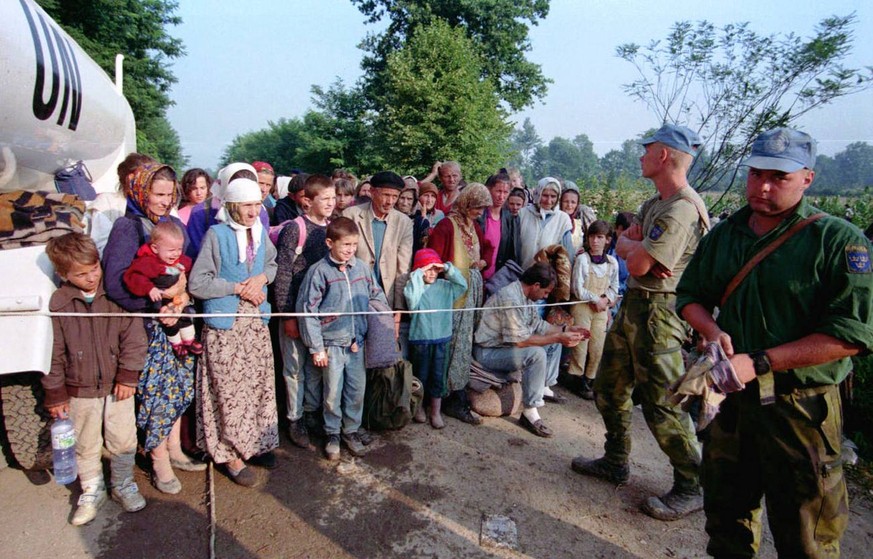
138 30
279 144
732 83
339 132
437 105
572 160
621 163
498 29
524 143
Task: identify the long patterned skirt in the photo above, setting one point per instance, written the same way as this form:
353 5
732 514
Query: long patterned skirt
236 404
166 387
463 326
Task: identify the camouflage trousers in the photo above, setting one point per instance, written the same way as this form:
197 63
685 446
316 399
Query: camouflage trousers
641 357
788 453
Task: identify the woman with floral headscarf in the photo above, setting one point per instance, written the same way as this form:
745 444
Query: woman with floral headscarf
166 385
542 224
459 239
236 407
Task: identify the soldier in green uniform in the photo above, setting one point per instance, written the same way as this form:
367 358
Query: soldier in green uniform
789 329
642 354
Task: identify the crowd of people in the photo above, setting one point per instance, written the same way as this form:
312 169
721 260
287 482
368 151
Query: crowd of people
560 297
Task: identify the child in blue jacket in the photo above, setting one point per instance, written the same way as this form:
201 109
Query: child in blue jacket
339 283
430 333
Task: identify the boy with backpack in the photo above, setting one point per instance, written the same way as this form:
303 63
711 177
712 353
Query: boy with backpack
300 244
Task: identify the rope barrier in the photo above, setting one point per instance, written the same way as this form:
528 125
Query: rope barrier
268 315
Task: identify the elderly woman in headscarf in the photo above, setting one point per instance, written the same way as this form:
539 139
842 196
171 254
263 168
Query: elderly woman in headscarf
459 239
166 385
236 404
543 224
207 213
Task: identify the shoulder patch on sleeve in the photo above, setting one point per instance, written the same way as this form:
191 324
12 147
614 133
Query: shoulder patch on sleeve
657 230
857 259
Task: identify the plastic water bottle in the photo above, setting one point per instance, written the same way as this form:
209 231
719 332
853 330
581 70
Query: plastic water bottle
64 451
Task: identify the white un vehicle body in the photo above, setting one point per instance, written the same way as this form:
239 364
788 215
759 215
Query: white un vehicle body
57 107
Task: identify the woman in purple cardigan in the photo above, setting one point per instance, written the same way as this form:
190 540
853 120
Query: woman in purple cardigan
166 385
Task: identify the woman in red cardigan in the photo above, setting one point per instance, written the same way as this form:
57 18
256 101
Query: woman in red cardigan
459 239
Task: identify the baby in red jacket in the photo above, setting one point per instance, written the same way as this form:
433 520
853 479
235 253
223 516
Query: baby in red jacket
159 265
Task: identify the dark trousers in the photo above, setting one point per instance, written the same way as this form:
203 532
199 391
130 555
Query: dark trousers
429 366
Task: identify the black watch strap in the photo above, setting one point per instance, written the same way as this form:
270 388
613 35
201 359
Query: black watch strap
761 362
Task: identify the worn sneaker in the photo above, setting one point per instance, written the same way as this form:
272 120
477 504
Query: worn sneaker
601 468
674 505
299 434
332 448
353 444
88 505
128 495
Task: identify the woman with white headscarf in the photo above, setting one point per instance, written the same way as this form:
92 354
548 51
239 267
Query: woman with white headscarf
236 404
204 215
543 224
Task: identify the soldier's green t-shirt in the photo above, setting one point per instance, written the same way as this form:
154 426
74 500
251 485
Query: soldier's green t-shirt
819 281
671 228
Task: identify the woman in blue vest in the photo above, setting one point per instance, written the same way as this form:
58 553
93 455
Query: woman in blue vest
236 400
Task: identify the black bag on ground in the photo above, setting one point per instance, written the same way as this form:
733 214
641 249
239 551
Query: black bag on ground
392 397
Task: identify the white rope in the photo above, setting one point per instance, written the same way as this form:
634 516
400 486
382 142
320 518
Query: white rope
268 315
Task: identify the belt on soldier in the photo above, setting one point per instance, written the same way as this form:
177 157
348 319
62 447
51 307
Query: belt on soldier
641 294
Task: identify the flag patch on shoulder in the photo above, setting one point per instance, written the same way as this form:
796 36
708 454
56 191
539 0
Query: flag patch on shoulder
656 231
857 259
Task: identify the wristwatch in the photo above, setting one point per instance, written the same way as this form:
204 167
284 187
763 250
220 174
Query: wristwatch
761 362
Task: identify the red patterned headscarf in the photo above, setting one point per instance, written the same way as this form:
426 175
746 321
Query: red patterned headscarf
141 187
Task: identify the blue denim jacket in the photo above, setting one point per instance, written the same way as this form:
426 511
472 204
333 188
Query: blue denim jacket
326 289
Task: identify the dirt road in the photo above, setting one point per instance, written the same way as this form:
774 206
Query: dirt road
421 493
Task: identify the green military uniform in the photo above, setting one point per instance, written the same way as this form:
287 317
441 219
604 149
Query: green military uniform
642 351
818 282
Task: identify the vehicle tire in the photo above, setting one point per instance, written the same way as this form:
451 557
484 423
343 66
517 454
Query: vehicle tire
26 424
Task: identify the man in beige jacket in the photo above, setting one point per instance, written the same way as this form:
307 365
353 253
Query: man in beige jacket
385 242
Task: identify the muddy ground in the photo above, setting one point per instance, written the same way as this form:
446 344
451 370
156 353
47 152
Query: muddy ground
419 493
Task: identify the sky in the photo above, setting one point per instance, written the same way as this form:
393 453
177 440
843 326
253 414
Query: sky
249 63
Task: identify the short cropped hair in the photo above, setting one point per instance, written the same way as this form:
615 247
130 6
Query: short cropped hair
315 185
166 230
296 183
541 273
342 227
69 249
